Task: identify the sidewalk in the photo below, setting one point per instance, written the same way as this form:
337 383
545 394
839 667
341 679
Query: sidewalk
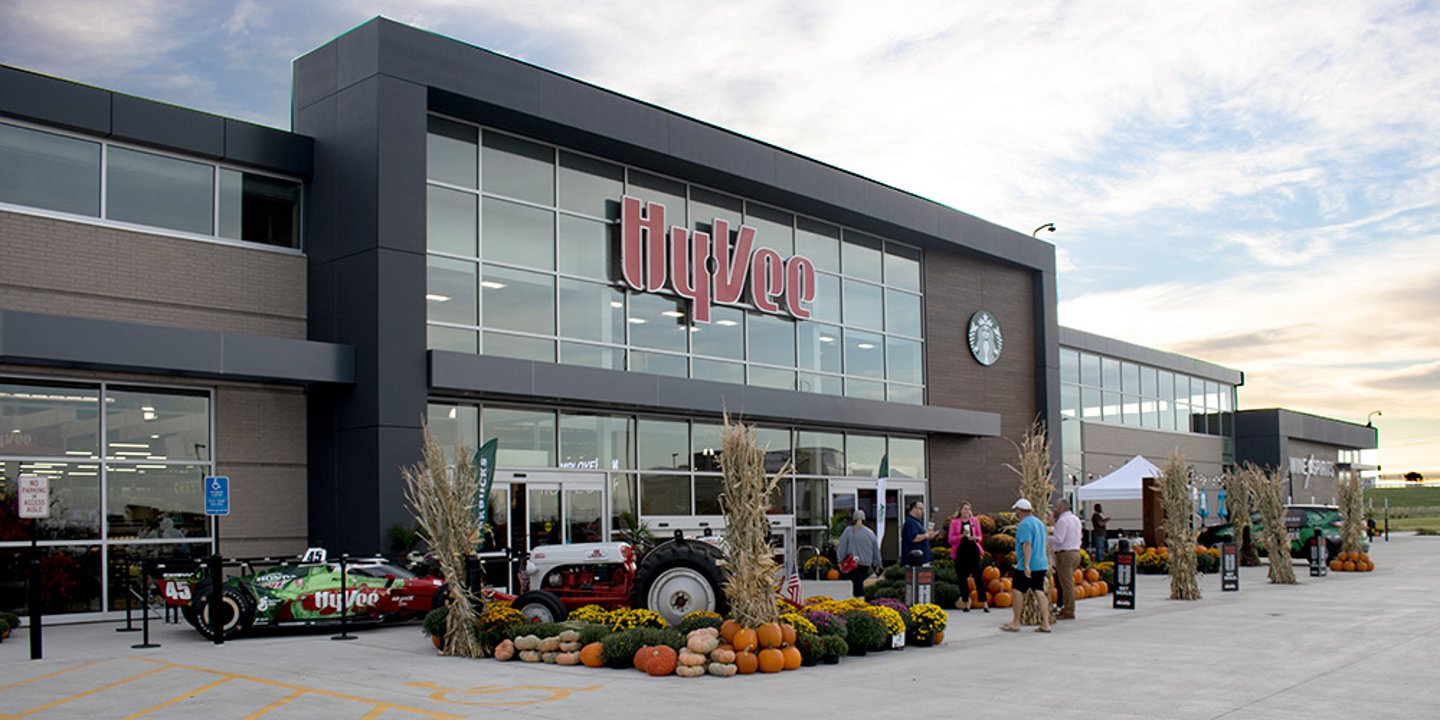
1344 646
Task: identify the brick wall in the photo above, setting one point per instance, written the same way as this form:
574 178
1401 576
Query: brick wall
83 270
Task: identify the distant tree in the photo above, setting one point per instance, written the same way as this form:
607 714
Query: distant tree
1413 476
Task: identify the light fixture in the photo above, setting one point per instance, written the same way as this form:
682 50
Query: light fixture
432 297
637 321
154 437
673 313
147 408
726 323
1046 226
452 413
616 304
866 346
826 339
148 414
491 284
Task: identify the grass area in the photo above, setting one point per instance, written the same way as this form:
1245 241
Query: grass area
1431 522
1405 497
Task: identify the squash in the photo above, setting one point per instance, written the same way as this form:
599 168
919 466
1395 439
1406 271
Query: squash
769 635
569 647
570 636
567 658
723 655
591 655
746 662
690 671
771 660
728 630
792 657
787 633
549 657
1079 576
711 631
692 659
527 642
662 661
698 642
745 639
1336 565
1343 556
1348 566
1002 601
1006 585
1104 587
550 644
719 669
529 656
994 586
990 573
505 650
1092 574
832 574
641 657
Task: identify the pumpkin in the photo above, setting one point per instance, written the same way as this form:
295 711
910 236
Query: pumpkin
1369 566
1006 585
590 655
549 657
995 587
1092 574
1079 576
745 639
938 638
787 633
1348 566
661 661
550 644
567 658
771 660
831 574
701 643
974 597
434 640
1343 556
746 662
728 629
723 655
1336 565
792 657
990 573
1104 588
1080 592
724 669
641 657
527 642
570 636
1054 594
529 656
692 659
1002 601
970 583
990 597
769 635
505 650
1365 557
569 647
690 671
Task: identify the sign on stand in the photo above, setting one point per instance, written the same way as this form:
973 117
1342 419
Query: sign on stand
34 496
217 495
1317 556
1229 568
919 584
1124 580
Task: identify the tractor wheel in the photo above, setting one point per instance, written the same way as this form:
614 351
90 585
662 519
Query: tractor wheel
678 578
541 607
237 611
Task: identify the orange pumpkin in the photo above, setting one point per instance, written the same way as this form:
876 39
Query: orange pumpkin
970 583
1001 601
1104 588
990 573
434 640
1336 565
975 597
590 655
1343 556
1081 593
1054 594
792 657
746 662
1092 574
1365 557
994 586
832 574
769 635
745 639
661 661
771 660
728 629
1369 566
990 598
787 633
1348 566
1006 585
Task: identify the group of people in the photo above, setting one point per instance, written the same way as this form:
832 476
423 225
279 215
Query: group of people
1035 548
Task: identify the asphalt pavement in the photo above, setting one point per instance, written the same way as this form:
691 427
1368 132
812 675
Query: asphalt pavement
1348 645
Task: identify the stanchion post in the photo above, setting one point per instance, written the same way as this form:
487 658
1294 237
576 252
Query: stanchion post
217 597
37 645
145 643
129 599
344 600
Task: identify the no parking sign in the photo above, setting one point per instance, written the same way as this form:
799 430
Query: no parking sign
34 496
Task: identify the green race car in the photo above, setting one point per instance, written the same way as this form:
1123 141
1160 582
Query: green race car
1301 522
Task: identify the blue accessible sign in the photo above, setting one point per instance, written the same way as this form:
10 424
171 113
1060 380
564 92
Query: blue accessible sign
217 495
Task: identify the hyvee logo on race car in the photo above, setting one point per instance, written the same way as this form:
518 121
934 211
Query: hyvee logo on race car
329 601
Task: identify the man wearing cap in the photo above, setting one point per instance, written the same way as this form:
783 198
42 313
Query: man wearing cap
1031 564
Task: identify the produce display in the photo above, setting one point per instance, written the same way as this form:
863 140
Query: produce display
1352 562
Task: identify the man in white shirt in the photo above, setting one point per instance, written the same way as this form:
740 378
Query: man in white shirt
1065 539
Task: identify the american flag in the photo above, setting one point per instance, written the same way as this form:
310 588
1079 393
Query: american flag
791 590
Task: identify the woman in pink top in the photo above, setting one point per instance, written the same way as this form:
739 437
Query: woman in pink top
966 551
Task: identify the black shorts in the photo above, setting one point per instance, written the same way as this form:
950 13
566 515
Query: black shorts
1035 582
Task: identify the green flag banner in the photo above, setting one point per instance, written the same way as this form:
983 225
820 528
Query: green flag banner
880 510
485 467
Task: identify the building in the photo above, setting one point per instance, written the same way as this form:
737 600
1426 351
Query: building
1313 452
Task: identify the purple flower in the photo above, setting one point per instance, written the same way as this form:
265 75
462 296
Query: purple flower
895 605
827 623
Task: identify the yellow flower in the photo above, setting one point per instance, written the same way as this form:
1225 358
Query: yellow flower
591 613
894 624
801 623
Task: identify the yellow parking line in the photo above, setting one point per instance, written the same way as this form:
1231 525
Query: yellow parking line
183 696
47 676
90 692
282 702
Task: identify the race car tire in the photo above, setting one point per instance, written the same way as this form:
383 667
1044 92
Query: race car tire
238 611
541 606
678 578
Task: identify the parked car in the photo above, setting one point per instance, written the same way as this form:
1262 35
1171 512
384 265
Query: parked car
1301 521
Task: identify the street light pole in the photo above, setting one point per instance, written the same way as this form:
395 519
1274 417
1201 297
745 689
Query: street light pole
1373 413
1047 226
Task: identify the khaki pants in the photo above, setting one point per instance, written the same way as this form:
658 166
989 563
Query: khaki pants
1066 561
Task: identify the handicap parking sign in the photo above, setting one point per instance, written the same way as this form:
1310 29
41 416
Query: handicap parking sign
217 495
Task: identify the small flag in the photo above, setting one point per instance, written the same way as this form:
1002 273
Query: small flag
792 588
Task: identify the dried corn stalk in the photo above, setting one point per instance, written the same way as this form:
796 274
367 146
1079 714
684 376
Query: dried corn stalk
1270 499
745 501
1352 509
1175 500
1035 468
1238 486
441 501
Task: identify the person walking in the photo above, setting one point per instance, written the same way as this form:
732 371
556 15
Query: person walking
1065 539
1031 563
966 550
1098 522
915 536
860 551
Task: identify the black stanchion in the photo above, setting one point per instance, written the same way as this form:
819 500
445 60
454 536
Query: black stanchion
217 597
344 600
145 643
37 646
129 596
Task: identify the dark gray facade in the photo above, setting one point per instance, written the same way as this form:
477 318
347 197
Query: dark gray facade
1311 451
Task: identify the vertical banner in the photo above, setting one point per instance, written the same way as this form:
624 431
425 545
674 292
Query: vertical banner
1124 597
880 509
1229 568
485 467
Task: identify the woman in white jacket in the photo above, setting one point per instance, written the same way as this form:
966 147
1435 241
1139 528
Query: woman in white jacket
858 542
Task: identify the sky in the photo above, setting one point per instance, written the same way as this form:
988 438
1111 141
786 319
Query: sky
1256 184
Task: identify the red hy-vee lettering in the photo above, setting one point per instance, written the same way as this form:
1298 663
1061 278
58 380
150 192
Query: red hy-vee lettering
680 260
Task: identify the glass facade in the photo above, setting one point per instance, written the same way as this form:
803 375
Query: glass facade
1110 390
125 467
61 173
523 253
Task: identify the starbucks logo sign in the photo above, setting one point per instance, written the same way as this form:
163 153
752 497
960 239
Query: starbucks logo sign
986 341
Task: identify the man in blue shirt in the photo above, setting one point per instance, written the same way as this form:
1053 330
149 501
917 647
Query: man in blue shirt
1031 564
914 536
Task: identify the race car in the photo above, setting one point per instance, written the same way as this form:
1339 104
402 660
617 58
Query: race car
304 592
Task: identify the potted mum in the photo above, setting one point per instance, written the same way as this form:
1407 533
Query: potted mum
927 623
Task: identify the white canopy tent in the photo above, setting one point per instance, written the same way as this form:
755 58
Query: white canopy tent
1125 483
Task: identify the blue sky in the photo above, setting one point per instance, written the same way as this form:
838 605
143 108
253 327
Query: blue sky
1255 184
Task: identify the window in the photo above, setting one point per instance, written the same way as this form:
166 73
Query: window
166 192
49 171
527 437
515 168
259 209
860 256
820 243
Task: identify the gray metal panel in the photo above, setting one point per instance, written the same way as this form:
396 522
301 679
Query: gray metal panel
466 374
1090 342
1315 428
174 128
288 153
52 101
35 338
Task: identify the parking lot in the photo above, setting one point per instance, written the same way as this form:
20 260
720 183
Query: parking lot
1347 645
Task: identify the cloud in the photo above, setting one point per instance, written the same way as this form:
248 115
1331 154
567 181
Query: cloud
1421 378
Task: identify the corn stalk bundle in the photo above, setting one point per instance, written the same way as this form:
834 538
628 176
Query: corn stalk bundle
1352 509
745 501
1175 500
1238 486
441 502
1270 499
1035 468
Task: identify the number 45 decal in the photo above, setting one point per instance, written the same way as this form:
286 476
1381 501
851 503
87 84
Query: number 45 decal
176 590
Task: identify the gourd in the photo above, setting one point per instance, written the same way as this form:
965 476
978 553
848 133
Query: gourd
642 656
723 655
567 658
769 635
691 659
699 642
548 657
549 644
661 661
787 633
1092 575
745 639
529 656
746 662
990 573
505 650
792 657
527 642
719 669
592 655
690 671
771 660
728 630
569 647
570 636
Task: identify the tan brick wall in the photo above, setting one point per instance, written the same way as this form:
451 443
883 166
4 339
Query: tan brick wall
82 270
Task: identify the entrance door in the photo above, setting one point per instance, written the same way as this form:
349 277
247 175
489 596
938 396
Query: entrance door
847 496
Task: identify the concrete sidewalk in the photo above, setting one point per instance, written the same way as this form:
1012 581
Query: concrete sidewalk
1344 646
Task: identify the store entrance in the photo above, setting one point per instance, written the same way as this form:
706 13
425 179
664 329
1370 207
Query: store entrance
847 496
529 509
